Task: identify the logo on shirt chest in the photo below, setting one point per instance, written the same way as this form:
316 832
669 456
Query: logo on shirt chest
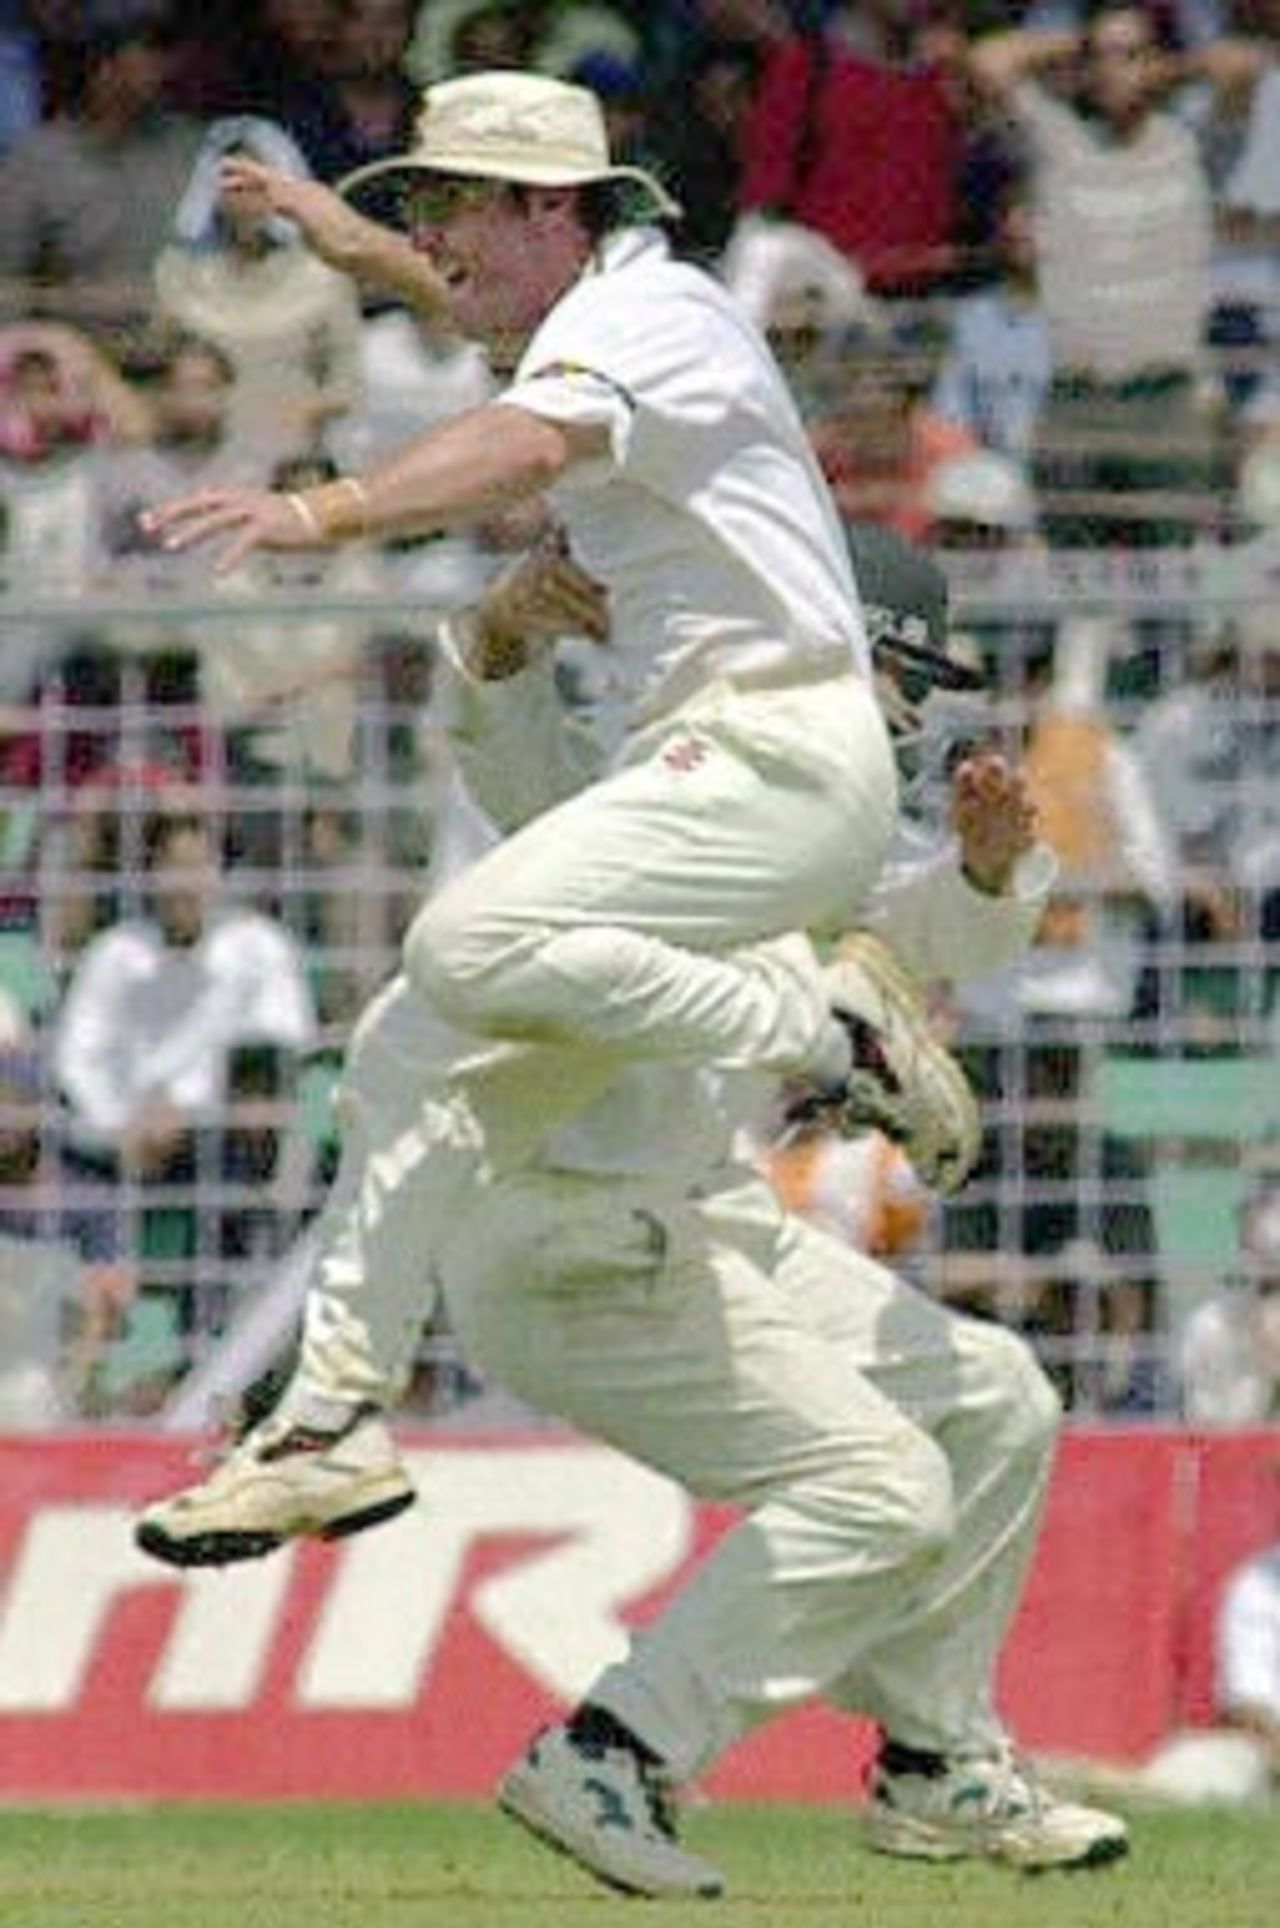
685 755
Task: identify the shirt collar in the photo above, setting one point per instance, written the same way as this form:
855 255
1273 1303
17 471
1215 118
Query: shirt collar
622 246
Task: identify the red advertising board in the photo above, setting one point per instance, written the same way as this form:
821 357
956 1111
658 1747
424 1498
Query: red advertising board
416 1659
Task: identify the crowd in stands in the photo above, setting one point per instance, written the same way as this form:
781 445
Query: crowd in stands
1022 265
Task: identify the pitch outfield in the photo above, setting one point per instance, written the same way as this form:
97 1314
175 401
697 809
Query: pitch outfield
463 1867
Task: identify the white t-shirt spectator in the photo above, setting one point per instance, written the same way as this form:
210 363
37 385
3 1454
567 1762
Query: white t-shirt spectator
1226 1380
1123 234
145 1022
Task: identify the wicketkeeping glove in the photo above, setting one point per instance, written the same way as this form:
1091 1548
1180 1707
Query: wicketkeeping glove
903 1081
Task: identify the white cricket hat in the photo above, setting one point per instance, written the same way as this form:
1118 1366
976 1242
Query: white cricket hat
510 126
982 487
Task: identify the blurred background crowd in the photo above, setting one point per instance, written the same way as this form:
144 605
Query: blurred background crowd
1022 263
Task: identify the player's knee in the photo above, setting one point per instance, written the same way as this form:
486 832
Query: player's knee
1030 1411
931 1501
1039 1404
512 975
916 1511
448 961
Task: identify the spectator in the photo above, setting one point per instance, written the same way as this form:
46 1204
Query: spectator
1229 1352
59 390
45 491
1237 1759
358 106
866 152
56 1311
20 75
60 399
878 438
90 848
161 1012
473 37
549 37
1194 22
409 376
1209 752
980 500
1095 806
1258 483
1248 1656
997 365
86 197
694 133
1123 229
1074 1242
414 368
1240 139
1067 1254
299 703
187 388
272 51
241 277
793 282
984 511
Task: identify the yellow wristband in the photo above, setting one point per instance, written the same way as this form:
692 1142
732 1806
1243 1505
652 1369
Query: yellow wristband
306 516
338 511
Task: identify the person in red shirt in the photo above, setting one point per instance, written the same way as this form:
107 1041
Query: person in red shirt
867 152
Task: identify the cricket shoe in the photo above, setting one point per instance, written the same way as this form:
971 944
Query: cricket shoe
990 1806
608 1808
902 1081
283 1481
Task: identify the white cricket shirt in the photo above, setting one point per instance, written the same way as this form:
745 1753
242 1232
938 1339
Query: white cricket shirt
709 519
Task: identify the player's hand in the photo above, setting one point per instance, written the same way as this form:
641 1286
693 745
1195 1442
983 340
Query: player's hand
330 226
544 595
241 519
994 817
337 234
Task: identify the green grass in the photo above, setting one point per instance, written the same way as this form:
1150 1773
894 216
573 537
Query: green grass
441 1866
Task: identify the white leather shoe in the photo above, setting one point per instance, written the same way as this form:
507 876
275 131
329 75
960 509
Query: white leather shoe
610 1811
283 1481
990 1806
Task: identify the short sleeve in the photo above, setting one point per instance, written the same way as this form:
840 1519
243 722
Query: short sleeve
578 394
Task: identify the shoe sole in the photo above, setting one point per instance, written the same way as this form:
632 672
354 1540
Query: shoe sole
225 1548
1102 1854
922 1843
517 1804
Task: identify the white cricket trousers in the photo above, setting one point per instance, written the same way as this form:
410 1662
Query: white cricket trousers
890 1457
619 920
421 1116
409 1161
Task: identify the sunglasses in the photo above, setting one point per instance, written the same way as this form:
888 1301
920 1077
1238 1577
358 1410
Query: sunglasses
435 203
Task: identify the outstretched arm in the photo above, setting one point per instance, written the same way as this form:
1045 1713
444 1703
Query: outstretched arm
452 475
373 255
